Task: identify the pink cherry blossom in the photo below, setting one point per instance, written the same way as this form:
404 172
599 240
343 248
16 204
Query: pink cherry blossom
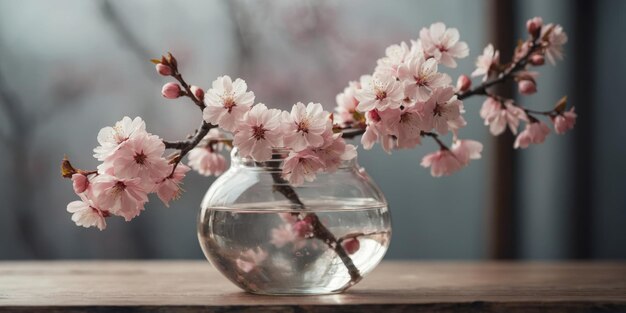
420 77
446 110
304 126
565 121
466 150
111 137
121 196
251 259
370 136
227 102
441 163
346 105
301 166
258 132
486 62
80 182
169 189
334 151
417 50
395 55
443 44
554 38
84 213
140 156
410 122
377 129
351 245
535 133
498 116
380 92
206 161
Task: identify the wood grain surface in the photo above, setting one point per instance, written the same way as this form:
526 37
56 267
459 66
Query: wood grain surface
194 286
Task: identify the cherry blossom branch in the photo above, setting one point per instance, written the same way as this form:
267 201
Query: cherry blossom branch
502 77
403 100
350 133
515 67
168 66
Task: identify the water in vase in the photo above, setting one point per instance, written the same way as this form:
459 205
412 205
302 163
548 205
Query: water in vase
281 249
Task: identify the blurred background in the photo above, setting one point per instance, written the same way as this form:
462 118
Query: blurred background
71 67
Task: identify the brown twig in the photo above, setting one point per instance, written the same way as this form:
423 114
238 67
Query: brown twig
187 145
187 89
502 100
435 137
350 133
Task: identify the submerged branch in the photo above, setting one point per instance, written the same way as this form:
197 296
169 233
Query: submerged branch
320 231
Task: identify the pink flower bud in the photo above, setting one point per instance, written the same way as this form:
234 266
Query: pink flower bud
533 26
80 183
463 83
198 92
171 91
527 87
537 60
351 245
163 69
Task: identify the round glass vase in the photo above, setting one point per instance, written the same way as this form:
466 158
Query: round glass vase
269 237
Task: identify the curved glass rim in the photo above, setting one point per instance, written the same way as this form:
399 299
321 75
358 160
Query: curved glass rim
276 163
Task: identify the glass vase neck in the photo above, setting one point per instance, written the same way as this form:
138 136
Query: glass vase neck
279 155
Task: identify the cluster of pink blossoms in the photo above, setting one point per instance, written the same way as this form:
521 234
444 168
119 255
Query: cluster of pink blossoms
306 131
132 167
405 99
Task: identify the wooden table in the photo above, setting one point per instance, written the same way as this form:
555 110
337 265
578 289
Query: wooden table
194 286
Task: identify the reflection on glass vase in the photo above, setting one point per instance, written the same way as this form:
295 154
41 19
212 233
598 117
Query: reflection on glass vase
269 237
